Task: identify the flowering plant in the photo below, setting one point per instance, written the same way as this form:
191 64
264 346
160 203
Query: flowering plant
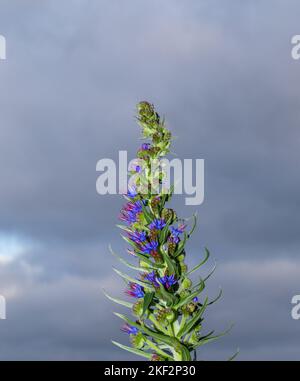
168 308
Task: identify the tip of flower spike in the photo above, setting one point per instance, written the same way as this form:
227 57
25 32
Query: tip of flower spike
146 113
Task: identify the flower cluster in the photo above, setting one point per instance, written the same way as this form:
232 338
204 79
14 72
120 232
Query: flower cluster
168 308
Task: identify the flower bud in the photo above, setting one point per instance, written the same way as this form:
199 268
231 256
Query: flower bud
168 215
137 340
171 247
146 113
137 308
155 357
170 316
191 307
183 267
186 284
181 257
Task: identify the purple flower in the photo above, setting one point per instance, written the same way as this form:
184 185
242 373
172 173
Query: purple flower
135 290
148 247
145 146
151 277
130 211
129 329
132 193
137 236
195 300
157 224
167 280
175 232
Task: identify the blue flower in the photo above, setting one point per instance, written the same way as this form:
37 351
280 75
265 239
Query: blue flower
175 232
135 290
151 277
167 280
129 329
158 224
137 236
148 247
130 211
195 300
145 146
132 193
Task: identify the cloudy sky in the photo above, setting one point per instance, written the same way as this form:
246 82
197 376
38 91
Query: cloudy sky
222 74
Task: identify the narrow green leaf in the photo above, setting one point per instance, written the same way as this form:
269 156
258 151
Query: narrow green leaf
186 356
231 358
169 298
207 254
138 352
216 298
143 269
194 225
125 228
148 216
158 350
169 262
131 243
190 297
181 246
132 280
118 301
193 321
205 340
154 266
172 341
147 301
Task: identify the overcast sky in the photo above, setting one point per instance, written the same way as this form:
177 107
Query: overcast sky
222 74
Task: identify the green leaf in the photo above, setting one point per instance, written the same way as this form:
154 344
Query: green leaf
164 233
216 298
118 301
138 352
191 296
231 358
131 243
204 340
132 280
153 266
186 356
205 279
144 269
194 225
207 254
193 321
169 262
125 228
211 272
148 216
171 341
169 298
147 301
181 245
158 350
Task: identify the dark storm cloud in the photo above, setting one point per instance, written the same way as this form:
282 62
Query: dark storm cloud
225 80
